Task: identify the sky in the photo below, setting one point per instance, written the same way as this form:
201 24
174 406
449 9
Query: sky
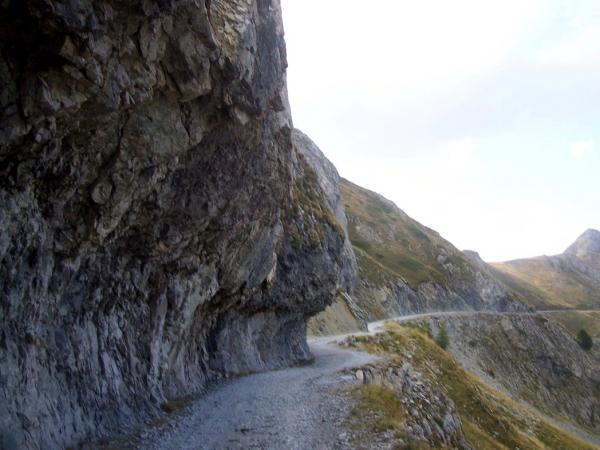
478 118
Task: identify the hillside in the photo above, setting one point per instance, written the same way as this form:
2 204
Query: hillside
573 321
406 267
421 396
530 358
566 281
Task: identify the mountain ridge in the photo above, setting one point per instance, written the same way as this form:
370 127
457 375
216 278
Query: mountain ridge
566 281
406 267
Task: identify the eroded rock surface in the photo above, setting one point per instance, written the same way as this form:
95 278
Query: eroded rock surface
432 417
159 230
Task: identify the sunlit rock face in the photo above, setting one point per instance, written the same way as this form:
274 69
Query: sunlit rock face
158 229
584 254
588 244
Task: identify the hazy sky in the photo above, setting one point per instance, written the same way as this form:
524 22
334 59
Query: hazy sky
480 119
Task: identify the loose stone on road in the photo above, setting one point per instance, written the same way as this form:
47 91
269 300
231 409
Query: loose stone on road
296 408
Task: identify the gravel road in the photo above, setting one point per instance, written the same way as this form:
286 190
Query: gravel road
295 408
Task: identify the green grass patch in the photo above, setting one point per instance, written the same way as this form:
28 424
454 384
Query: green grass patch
402 245
416 232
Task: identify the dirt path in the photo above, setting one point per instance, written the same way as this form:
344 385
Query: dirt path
294 408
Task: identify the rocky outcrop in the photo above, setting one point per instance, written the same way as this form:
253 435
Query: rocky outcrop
398 299
159 229
587 246
344 315
329 180
432 416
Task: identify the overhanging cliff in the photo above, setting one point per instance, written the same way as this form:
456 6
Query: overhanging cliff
158 229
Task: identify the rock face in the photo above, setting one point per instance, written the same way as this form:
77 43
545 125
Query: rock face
569 280
344 315
159 229
341 317
433 417
587 246
329 180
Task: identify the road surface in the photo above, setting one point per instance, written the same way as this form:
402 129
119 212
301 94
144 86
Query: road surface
294 408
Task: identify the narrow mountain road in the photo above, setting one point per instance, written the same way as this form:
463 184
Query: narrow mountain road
379 326
294 408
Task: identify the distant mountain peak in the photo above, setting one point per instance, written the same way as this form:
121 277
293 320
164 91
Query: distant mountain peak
475 258
473 255
586 244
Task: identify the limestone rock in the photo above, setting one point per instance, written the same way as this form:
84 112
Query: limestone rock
159 230
586 245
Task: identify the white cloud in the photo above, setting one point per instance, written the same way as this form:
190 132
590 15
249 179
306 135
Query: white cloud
581 46
397 49
442 105
580 149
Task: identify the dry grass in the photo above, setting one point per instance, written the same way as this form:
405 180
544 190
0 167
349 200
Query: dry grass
556 284
574 321
336 319
404 248
491 420
379 408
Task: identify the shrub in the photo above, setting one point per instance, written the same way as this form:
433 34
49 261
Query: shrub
585 340
442 338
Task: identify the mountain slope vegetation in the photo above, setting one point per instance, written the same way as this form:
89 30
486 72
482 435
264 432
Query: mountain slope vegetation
487 419
566 281
405 267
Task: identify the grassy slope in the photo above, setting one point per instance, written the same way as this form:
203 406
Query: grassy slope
390 245
403 248
574 321
521 289
559 285
490 419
